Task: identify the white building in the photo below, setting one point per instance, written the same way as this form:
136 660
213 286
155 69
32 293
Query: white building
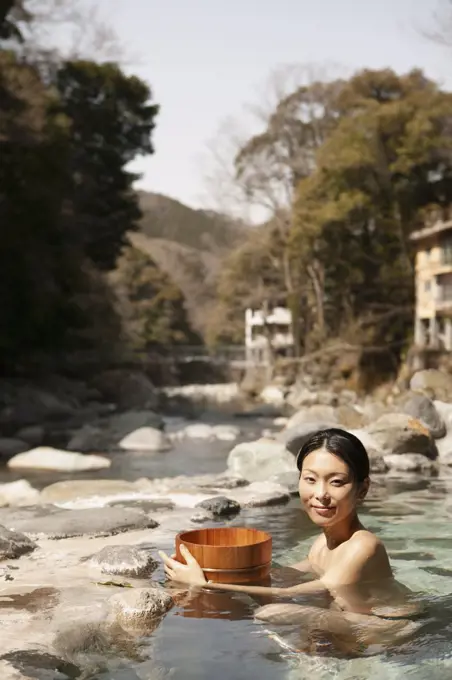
267 334
433 318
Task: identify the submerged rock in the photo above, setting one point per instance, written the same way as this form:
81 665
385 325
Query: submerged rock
137 607
72 490
124 560
13 544
69 523
47 458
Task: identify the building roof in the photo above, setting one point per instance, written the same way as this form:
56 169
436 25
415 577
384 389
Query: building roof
425 233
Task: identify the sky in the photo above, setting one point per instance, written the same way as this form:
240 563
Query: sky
207 61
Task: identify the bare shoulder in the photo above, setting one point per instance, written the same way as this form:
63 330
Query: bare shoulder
370 553
366 542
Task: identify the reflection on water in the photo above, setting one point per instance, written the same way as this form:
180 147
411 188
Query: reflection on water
215 634
186 457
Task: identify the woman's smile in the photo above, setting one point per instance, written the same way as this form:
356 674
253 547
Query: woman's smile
323 511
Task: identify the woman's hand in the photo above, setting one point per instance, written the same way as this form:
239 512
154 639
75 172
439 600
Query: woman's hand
190 573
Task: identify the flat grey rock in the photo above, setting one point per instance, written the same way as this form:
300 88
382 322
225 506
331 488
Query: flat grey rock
124 560
14 544
220 506
87 522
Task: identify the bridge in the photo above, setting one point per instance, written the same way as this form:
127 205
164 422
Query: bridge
233 356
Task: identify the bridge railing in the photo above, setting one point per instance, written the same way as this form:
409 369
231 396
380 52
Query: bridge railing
219 354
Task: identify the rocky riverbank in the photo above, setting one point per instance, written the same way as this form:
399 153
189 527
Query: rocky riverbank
80 580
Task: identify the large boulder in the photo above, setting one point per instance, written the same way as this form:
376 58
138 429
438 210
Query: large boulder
13 544
398 433
444 447
145 439
26 405
315 413
138 607
47 458
259 460
301 396
128 389
124 560
11 447
33 435
423 409
435 384
409 462
107 434
444 410
262 494
19 492
294 437
273 394
349 416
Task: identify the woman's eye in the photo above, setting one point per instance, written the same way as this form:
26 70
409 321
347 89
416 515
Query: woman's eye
337 482
310 480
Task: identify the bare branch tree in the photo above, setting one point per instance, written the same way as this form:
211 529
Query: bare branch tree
73 29
440 31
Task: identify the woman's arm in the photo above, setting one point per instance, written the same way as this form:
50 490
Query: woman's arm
308 588
304 566
192 574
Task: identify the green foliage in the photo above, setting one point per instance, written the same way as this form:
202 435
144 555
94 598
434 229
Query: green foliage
35 269
66 199
111 123
150 304
387 157
360 161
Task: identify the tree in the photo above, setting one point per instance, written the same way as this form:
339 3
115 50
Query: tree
151 305
271 165
111 123
34 267
387 158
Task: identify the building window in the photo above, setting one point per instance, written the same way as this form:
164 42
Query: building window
446 251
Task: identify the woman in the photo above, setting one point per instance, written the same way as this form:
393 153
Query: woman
350 563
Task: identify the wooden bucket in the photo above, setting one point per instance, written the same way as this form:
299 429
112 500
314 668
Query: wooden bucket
229 554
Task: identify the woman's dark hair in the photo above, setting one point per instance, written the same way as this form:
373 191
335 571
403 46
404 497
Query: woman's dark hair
342 444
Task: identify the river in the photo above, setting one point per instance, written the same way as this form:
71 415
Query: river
215 636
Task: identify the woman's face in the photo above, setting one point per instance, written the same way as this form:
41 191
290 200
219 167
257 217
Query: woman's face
327 488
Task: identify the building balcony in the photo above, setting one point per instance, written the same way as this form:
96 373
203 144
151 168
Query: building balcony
279 340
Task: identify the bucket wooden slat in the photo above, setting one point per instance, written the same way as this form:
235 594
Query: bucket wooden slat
229 554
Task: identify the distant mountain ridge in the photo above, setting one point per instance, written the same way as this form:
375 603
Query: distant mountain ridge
189 245
167 218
